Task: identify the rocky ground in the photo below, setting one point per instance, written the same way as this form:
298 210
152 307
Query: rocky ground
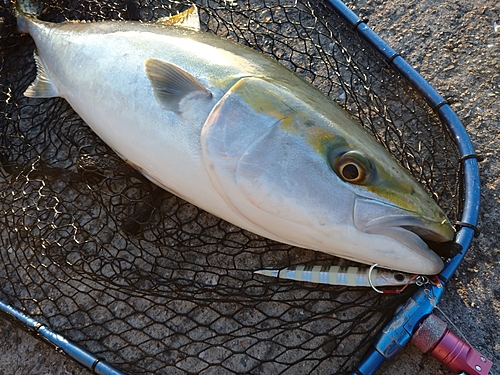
454 44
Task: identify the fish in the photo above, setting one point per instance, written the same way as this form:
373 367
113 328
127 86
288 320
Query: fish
337 275
238 135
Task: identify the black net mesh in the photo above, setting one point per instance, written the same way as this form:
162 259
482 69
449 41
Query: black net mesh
151 283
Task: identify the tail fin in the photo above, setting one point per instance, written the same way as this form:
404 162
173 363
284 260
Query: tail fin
28 7
24 10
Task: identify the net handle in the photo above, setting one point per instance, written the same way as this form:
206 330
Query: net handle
80 355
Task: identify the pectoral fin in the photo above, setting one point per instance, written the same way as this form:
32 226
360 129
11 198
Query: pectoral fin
171 83
42 86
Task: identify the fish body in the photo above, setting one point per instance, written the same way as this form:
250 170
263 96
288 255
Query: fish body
240 136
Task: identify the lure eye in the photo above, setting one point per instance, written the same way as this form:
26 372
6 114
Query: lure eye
353 167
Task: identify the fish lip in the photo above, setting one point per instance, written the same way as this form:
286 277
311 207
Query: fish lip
423 229
407 228
384 215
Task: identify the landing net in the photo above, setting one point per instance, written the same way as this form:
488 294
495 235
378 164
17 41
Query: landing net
152 284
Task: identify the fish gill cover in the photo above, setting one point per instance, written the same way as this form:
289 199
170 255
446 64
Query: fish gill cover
153 284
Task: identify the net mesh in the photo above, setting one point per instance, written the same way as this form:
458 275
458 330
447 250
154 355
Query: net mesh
151 283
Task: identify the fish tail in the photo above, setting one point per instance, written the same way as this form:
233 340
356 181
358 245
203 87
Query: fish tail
28 7
25 10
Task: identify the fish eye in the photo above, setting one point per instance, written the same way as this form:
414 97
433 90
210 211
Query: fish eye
352 167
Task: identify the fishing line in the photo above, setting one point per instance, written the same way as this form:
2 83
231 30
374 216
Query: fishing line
453 325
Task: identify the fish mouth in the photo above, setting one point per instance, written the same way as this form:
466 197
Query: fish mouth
411 230
407 230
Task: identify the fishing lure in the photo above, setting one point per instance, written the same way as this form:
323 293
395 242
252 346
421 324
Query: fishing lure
347 276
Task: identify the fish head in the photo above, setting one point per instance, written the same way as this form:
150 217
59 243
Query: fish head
385 193
296 168
389 203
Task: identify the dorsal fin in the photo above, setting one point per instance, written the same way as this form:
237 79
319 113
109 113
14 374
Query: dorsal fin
42 86
189 19
171 83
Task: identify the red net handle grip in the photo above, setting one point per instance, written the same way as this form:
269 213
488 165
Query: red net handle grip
434 337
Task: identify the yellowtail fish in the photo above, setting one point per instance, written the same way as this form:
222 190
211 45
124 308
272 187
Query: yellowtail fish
347 276
240 136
